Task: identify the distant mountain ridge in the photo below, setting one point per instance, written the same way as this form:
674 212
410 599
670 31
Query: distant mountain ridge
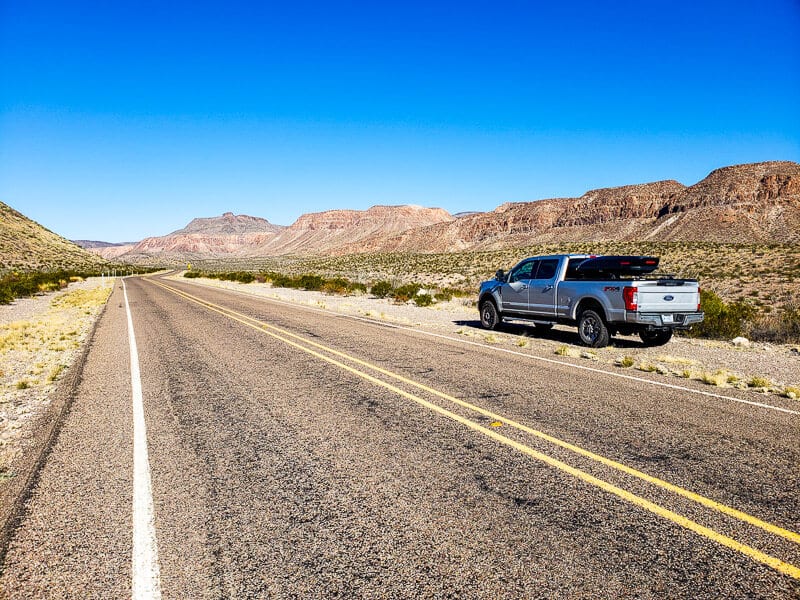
758 202
244 236
27 246
752 203
97 244
229 224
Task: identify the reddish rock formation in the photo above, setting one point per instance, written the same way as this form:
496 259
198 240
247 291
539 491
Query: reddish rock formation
745 203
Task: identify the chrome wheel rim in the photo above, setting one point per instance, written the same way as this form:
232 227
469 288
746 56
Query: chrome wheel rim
589 329
488 316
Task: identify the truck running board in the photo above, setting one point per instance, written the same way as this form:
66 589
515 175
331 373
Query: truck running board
509 318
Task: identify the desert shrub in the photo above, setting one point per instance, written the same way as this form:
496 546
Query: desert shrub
381 289
337 285
779 327
311 282
443 296
48 286
280 280
758 382
19 284
625 362
722 320
406 292
240 276
355 287
423 299
193 274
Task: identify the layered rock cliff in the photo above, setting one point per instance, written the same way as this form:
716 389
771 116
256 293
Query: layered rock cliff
745 203
757 202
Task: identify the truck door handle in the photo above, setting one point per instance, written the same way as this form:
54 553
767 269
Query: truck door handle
547 288
524 287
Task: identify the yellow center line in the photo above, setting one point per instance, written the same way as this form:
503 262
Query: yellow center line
707 502
279 334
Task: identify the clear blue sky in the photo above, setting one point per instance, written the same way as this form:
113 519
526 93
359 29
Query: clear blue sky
120 120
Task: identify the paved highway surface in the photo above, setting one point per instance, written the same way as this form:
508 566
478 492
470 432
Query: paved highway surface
263 450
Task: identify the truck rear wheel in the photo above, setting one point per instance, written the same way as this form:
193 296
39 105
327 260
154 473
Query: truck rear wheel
592 329
657 337
490 318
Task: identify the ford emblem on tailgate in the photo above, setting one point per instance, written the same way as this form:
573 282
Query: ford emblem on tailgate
669 298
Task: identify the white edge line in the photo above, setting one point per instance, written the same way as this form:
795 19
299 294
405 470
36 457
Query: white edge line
145 583
506 350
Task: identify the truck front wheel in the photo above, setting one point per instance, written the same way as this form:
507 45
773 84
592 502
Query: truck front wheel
490 318
656 337
592 330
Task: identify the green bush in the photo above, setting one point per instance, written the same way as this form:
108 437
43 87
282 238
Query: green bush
406 292
381 289
19 284
443 296
240 276
354 287
722 320
311 282
423 299
279 280
337 285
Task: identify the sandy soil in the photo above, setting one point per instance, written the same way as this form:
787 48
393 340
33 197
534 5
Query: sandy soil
38 342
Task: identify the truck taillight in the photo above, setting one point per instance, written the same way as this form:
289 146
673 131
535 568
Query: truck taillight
630 295
698 299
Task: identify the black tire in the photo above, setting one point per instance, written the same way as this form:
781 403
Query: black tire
658 337
490 318
592 329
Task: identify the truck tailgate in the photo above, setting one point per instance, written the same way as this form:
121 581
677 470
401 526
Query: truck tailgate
655 297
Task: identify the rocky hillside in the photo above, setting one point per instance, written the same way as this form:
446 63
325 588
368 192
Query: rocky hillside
322 232
226 235
27 246
229 224
243 236
753 203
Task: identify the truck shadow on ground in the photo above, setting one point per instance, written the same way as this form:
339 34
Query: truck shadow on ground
558 333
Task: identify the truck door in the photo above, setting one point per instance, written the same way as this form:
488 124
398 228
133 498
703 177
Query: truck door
542 292
515 290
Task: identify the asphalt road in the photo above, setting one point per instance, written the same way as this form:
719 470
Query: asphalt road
298 454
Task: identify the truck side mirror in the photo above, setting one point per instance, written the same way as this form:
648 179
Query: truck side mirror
500 275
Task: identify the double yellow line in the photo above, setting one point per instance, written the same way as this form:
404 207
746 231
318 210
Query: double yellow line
315 349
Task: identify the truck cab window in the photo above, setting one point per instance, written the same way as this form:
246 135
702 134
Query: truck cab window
547 269
521 272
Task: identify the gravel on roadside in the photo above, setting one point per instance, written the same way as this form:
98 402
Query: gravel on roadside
40 337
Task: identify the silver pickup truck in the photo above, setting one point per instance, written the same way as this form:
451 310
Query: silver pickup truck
602 295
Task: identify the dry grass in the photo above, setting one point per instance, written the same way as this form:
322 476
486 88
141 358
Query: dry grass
37 345
759 382
718 378
569 351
